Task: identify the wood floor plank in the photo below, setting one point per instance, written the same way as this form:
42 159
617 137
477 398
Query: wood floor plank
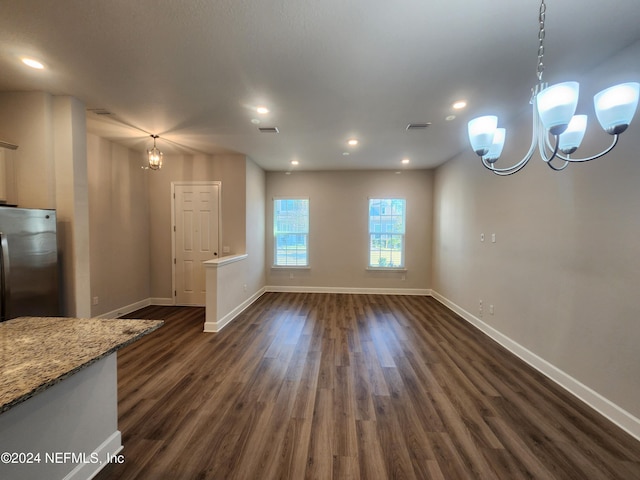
371 457
320 456
337 386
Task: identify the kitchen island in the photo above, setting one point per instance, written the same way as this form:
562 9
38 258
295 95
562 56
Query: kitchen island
58 395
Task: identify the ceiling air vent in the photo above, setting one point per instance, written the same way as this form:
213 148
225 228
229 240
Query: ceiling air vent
417 126
268 129
99 111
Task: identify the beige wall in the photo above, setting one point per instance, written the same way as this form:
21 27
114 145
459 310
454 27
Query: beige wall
119 226
26 120
338 238
230 170
72 201
564 272
255 227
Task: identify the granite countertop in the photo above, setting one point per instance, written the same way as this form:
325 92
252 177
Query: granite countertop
38 352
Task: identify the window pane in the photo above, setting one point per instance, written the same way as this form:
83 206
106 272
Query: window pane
386 232
291 231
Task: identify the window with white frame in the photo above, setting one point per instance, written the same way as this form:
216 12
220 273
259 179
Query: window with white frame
386 232
290 232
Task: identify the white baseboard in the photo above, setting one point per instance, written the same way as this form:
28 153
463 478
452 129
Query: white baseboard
370 291
109 449
161 301
213 327
604 406
126 309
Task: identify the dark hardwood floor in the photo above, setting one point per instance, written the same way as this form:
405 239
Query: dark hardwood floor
349 386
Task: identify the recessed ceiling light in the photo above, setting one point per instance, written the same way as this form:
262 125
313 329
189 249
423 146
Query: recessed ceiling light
352 142
262 110
450 117
255 121
405 161
295 162
459 104
30 62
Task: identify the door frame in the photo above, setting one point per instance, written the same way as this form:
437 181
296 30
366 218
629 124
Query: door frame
173 224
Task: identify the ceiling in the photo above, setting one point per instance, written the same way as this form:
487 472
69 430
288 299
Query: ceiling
194 71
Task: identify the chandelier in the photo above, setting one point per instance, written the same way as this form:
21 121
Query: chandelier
154 156
557 132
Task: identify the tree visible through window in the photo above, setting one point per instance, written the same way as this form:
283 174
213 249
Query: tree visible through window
386 232
291 231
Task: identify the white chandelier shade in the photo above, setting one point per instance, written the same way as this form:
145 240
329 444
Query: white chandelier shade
495 149
556 106
616 106
554 119
481 133
572 137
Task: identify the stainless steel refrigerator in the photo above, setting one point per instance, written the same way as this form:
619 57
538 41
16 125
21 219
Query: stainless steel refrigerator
28 263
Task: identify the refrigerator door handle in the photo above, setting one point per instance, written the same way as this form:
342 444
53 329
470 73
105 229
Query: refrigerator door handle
5 274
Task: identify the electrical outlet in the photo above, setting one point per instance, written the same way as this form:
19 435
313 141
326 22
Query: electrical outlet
95 301
493 238
491 309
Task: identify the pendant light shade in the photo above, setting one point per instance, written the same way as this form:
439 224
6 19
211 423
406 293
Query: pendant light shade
616 106
556 106
154 155
481 132
495 150
572 137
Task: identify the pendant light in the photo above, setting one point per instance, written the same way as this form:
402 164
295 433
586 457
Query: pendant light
154 155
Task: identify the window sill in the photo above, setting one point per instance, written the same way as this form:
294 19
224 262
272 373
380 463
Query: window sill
386 269
290 267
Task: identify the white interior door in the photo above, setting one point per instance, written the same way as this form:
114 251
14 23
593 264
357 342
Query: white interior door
196 229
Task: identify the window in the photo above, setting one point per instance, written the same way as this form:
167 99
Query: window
386 232
291 232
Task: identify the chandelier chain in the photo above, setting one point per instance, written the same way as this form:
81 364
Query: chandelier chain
541 32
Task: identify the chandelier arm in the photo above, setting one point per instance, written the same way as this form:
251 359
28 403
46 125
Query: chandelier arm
520 165
544 143
588 159
503 172
557 169
549 161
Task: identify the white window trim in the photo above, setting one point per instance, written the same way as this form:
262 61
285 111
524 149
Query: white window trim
386 269
275 245
402 268
290 267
